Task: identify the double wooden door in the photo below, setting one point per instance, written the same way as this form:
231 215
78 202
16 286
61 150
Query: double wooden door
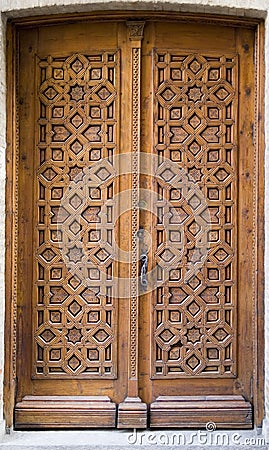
135 225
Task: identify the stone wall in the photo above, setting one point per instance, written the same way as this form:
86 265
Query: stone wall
20 8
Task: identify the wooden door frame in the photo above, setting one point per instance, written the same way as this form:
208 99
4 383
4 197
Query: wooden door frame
12 156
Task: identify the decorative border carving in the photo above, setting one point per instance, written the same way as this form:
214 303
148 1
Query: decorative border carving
136 30
15 228
136 61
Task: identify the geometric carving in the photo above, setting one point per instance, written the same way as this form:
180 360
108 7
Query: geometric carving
75 227
75 201
194 282
77 65
103 93
95 112
95 193
93 133
48 255
194 121
178 215
193 308
74 335
74 282
167 175
91 214
211 134
178 134
75 254
93 316
167 255
195 173
90 295
94 235
167 94
58 294
166 336
103 174
101 335
95 154
194 147
102 255
193 362
47 335
209 295
220 334
57 154
50 93
194 66
222 93
93 355
60 133
74 363
77 120
178 295
194 228
221 254
49 174
213 74
74 308
77 93
55 316
221 174
76 147
75 323
193 335
192 93
194 201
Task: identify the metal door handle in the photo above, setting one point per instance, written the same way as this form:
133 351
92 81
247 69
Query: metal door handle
144 269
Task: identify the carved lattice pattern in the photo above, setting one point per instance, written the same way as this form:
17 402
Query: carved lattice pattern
78 116
195 316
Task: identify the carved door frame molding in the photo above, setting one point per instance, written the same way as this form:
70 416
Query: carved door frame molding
12 256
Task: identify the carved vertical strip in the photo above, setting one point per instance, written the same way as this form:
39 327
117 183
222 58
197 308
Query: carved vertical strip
11 224
135 35
132 413
15 229
135 212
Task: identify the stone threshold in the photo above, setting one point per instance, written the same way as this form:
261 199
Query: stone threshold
128 439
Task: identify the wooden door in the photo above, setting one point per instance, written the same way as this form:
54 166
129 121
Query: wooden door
196 341
136 216
71 327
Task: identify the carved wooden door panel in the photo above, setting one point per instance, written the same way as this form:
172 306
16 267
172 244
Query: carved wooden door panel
136 216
